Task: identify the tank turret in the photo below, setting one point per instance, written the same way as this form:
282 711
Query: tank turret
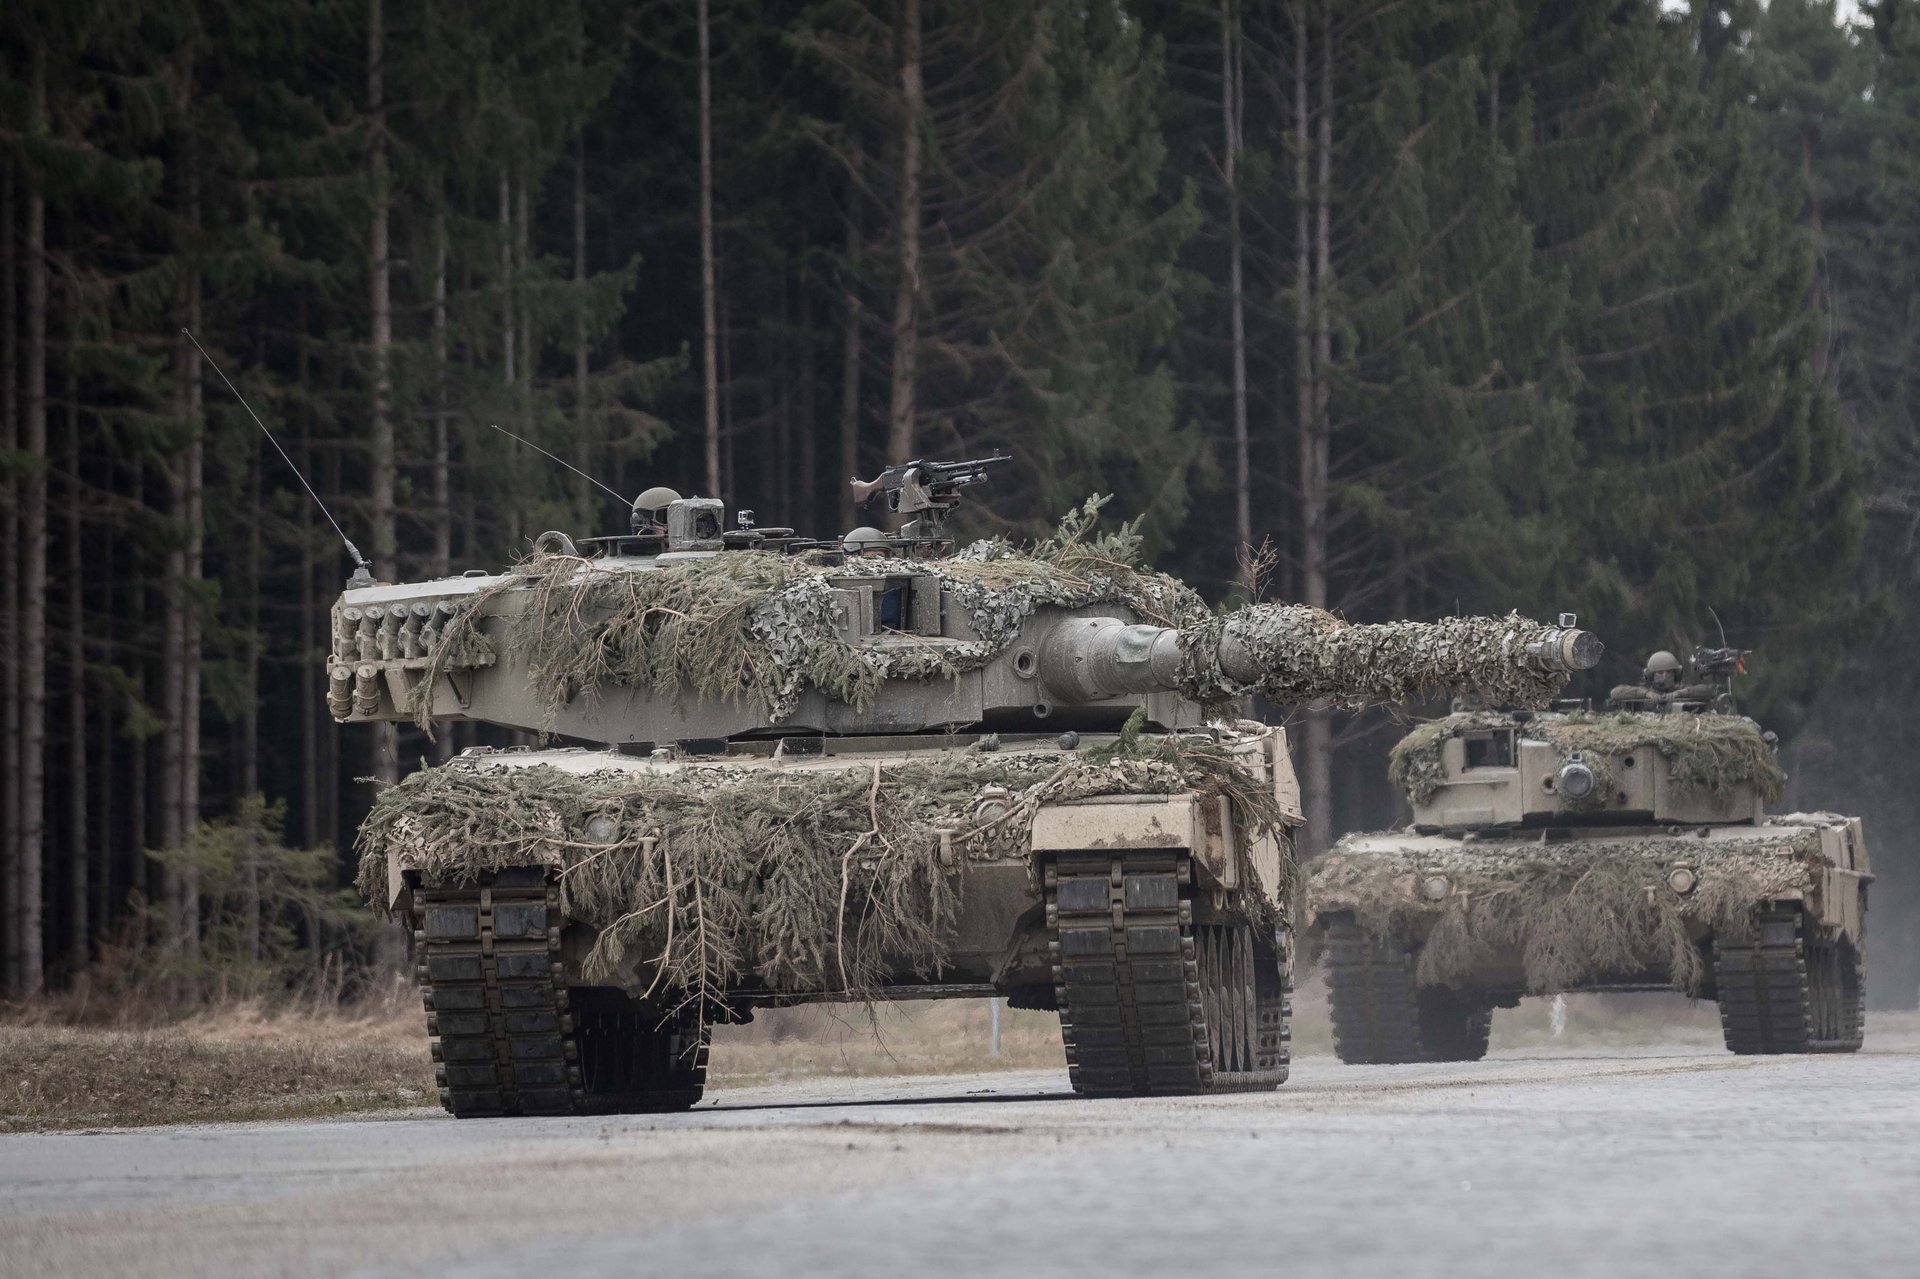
705 635
1574 768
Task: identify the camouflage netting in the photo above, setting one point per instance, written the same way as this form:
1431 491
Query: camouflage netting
1572 911
759 625
1705 753
806 879
1309 654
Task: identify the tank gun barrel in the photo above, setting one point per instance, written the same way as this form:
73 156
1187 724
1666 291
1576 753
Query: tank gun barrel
1293 654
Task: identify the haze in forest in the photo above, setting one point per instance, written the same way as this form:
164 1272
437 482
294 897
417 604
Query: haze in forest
1547 305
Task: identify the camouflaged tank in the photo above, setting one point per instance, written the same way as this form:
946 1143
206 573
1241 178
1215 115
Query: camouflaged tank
1619 850
859 770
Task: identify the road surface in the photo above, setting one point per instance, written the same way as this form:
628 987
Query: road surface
1673 1162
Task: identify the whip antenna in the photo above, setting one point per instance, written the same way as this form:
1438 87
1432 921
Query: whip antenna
562 461
359 560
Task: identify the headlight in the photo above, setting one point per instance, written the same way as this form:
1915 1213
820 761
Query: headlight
1435 887
1575 779
1681 880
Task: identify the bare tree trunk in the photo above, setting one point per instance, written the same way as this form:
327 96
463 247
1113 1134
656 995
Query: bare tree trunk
33 576
522 260
585 496
11 852
386 757
1311 349
78 934
709 332
809 442
901 416
506 279
727 485
441 480
1230 110
249 763
850 375
195 504
316 639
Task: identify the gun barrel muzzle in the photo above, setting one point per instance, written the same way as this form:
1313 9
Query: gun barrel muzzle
1568 648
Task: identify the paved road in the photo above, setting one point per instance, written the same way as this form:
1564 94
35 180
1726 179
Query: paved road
1660 1162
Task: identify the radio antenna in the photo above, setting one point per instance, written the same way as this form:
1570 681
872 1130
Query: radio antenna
359 561
562 461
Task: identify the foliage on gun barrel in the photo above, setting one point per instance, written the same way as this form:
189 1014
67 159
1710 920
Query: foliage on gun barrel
1306 654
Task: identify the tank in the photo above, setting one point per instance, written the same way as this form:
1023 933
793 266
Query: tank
785 770
1578 850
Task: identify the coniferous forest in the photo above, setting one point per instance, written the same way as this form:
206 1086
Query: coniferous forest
1605 306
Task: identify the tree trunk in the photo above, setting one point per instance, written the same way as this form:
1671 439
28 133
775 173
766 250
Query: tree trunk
33 577
249 762
441 480
906 294
78 870
314 630
808 443
386 757
709 309
11 857
585 496
850 375
1230 97
522 261
506 279
1312 350
193 487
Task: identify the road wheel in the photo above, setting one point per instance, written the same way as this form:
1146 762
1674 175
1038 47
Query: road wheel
1788 989
633 1058
1149 1001
1381 1015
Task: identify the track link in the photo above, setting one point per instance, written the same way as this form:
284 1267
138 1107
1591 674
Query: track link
1783 992
507 1035
1382 1016
492 983
1150 1003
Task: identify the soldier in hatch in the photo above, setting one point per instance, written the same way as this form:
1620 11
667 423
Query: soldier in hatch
1660 688
650 511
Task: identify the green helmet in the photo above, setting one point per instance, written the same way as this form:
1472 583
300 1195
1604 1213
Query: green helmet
864 539
1662 661
654 502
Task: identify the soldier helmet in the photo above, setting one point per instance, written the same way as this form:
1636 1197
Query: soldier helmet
655 500
865 540
1663 661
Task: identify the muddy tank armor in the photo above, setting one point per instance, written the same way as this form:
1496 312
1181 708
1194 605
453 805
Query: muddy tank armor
1617 850
882 769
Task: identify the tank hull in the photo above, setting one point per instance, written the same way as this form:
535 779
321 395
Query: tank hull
1768 918
591 914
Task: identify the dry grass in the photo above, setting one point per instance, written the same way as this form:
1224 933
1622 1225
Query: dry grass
69 1077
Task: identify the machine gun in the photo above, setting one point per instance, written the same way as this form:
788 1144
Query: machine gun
925 491
1713 663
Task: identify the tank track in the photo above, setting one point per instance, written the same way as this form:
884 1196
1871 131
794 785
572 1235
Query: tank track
1380 1014
1782 992
1149 1002
505 1037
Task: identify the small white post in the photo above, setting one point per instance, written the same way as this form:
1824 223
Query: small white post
994 1004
